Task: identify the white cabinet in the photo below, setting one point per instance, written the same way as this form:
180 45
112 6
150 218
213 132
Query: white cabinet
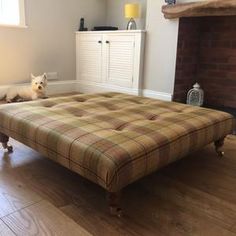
89 55
120 60
109 61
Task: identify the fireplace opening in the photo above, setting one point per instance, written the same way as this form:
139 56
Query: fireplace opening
207 54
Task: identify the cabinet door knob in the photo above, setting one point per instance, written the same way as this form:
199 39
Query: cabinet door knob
99 41
107 42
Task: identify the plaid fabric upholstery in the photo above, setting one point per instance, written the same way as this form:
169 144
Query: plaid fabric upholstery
113 139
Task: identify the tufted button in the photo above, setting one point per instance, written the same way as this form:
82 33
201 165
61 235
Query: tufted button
48 104
121 127
107 95
118 129
154 117
111 108
78 99
135 101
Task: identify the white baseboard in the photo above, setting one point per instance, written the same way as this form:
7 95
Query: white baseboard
63 86
157 95
93 87
96 88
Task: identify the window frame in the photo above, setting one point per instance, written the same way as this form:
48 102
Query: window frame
22 23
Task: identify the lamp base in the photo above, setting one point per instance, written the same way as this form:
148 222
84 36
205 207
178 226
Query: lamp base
131 25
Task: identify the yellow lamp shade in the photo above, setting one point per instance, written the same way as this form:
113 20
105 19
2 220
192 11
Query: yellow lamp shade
132 10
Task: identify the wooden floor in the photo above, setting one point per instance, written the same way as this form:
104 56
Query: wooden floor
195 196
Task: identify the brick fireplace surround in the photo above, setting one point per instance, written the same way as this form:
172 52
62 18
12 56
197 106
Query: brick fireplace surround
207 54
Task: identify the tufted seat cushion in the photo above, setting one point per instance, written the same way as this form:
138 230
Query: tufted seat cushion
113 139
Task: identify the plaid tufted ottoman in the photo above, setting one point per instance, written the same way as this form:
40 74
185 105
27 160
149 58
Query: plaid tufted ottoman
112 139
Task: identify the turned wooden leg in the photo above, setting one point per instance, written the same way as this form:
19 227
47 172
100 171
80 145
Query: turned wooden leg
218 147
4 140
113 200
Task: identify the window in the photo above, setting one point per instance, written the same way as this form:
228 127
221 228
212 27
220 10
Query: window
12 12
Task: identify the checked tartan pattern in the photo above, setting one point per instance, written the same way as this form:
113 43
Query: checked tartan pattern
113 139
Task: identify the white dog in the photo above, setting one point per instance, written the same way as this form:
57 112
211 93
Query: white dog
26 93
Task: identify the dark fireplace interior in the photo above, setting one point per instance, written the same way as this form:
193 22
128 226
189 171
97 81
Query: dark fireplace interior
207 54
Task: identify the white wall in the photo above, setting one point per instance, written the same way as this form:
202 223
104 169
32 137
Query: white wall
160 52
115 13
161 48
48 44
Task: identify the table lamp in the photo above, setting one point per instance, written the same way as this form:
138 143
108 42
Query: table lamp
132 11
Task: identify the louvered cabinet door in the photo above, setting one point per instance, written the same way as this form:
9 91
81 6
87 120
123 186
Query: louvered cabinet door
89 58
120 51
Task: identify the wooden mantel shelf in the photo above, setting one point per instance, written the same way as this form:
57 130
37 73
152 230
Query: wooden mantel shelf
203 8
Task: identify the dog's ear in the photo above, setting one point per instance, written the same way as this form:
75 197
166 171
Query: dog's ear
45 79
32 76
45 76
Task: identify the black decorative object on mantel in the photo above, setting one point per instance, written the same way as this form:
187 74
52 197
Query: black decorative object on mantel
81 26
170 2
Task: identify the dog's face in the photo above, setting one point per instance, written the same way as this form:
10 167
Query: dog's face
39 83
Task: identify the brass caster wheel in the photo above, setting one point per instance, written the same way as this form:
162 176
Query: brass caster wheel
218 147
8 147
220 153
116 211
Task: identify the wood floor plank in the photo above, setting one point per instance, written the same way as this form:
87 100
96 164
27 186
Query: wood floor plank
205 171
100 223
43 219
221 186
93 215
20 157
206 206
163 215
233 229
4 230
42 176
55 183
14 194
